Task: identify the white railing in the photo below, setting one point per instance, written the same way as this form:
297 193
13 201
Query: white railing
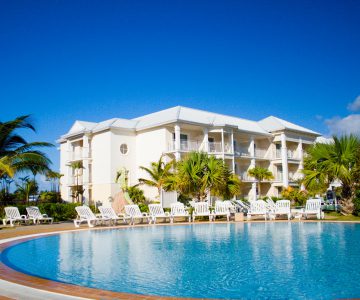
73 180
79 154
279 176
185 146
216 147
242 151
260 153
244 176
291 154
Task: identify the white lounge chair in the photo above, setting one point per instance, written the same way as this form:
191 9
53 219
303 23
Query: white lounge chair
221 209
257 208
133 212
270 205
313 207
157 211
109 213
178 210
230 206
86 215
12 215
242 206
36 216
282 207
201 209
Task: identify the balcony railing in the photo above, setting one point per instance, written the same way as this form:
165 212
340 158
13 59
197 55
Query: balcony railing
260 153
79 154
185 146
241 151
73 180
291 154
214 147
244 176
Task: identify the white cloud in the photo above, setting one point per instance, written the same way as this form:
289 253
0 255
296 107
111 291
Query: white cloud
346 125
355 105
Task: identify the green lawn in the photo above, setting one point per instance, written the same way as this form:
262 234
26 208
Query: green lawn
339 217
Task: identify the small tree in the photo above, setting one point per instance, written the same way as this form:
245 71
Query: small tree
136 195
159 173
78 191
260 174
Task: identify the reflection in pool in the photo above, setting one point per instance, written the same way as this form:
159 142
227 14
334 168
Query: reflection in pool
231 261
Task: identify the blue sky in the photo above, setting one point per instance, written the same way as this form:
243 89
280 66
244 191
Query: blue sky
93 60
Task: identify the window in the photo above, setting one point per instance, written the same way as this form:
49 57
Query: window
124 149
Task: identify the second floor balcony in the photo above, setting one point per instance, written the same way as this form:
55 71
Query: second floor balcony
189 145
291 154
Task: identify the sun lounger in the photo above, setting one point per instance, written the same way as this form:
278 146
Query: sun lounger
86 215
201 209
109 213
257 208
12 215
36 216
133 211
157 212
221 209
178 211
282 207
313 207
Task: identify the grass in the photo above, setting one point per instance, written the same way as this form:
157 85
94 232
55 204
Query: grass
339 217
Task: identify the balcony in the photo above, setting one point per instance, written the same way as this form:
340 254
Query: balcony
242 151
79 154
291 154
74 181
187 146
245 177
261 153
216 147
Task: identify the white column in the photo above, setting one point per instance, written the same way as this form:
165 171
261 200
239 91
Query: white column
68 174
301 164
284 160
206 140
222 143
85 171
177 142
253 196
252 152
232 149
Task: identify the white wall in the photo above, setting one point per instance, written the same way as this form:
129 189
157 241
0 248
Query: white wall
149 147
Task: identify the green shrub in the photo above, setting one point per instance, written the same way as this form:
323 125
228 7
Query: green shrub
143 208
49 197
136 194
357 203
58 211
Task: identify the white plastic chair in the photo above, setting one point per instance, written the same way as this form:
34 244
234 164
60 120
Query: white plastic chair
243 206
157 211
313 207
221 209
282 207
12 215
201 209
109 213
133 212
270 205
86 215
257 208
36 216
178 210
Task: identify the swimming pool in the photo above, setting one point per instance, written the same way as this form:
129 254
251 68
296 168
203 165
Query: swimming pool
228 261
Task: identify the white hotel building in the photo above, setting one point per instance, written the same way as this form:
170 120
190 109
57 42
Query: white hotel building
105 147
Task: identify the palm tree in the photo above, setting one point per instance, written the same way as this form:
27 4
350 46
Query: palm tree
260 174
158 173
340 161
26 188
77 167
16 154
199 175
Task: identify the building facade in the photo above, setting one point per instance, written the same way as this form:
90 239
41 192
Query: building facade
106 147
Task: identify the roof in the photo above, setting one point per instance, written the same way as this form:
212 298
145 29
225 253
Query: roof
196 116
189 115
272 124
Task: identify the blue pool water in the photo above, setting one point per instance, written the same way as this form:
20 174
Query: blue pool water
229 261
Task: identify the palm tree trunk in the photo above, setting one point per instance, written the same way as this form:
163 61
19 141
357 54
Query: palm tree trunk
259 188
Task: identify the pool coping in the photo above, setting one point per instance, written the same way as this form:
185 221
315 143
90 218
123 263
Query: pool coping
56 290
